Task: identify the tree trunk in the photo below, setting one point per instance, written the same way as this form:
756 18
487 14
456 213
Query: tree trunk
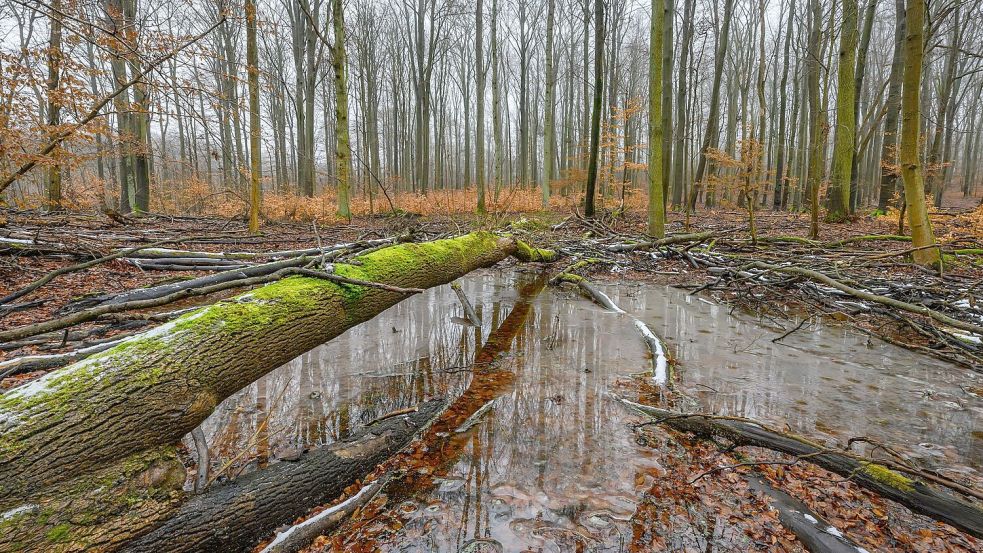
54 101
781 190
343 149
149 392
911 170
679 153
844 137
479 133
252 67
595 120
139 504
235 516
816 137
889 153
656 201
713 124
549 130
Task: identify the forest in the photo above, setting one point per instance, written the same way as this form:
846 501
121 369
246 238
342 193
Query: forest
491 275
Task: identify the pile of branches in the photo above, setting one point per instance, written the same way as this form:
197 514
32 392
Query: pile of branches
867 280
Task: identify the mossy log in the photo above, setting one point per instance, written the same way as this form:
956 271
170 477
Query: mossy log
237 515
139 504
912 493
155 387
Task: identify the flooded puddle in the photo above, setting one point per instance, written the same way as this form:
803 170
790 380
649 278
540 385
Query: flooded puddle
551 463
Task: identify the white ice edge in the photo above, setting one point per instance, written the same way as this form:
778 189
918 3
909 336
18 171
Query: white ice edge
282 536
661 362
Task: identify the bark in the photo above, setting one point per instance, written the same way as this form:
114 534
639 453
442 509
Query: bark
816 136
844 137
139 504
914 494
815 533
679 153
343 149
911 169
149 391
549 138
235 516
595 120
889 154
479 134
54 101
656 187
713 123
255 170
780 199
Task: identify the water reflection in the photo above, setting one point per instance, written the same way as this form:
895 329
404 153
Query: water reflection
553 465
821 380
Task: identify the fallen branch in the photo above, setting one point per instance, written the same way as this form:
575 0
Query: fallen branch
864 295
81 267
815 533
668 241
466 305
875 476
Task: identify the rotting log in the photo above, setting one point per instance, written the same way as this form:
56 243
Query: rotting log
237 515
155 387
139 504
910 492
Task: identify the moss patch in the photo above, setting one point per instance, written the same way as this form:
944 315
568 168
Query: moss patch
889 477
525 252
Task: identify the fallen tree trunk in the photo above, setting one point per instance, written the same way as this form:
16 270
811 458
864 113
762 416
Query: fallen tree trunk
237 515
140 503
815 533
155 387
913 494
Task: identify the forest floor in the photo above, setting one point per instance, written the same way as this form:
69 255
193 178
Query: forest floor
862 253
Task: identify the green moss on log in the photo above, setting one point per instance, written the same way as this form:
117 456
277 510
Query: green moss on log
154 387
525 252
889 477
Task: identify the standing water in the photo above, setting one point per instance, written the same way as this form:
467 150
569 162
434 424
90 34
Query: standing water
550 462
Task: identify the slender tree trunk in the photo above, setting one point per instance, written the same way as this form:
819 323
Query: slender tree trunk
861 73
343 149
595 121
252 67
656 188
496 102
713 123
892 109
781 194
479 134
816 138
911 170
844 137
54 100
549 138
679 155
667 47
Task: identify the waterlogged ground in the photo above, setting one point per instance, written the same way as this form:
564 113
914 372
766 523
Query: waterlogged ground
552 462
